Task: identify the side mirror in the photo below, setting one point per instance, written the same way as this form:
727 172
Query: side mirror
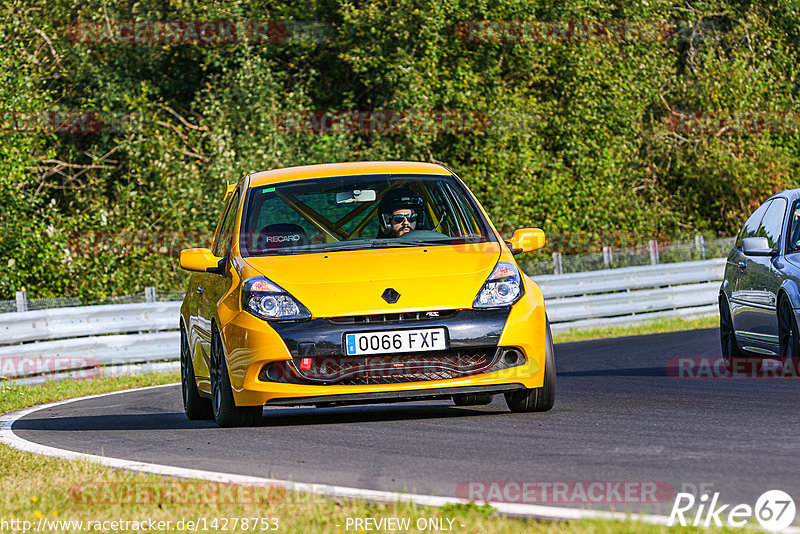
757 246
526 240
201 260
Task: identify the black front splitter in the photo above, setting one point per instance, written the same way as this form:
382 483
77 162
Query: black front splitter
392 396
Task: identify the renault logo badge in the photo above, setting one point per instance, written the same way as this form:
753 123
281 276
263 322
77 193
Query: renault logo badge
390 295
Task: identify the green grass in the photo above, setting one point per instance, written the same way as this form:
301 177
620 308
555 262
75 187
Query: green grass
651 327
33 486
14 397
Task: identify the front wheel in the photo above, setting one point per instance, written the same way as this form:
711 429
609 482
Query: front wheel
226 413
197 408
538 399
735 359
788 338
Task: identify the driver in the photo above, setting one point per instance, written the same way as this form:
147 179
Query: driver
399 211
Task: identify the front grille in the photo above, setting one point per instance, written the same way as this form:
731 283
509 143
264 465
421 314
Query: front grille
384 318
388 369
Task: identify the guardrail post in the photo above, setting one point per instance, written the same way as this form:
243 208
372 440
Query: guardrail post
558 267
653 252
607 256
700 245
150 294
22 301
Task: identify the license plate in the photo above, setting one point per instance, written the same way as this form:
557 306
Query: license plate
388 342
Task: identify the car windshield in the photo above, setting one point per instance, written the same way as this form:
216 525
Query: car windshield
360 212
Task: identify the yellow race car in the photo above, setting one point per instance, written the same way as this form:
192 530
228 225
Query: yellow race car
360 283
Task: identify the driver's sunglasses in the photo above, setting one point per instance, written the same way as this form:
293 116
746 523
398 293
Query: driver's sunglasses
398 218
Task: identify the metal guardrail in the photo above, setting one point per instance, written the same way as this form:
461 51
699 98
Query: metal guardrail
632 302
61 339
85 352
60 323
50 341
656 253
630 278
632 294
22 303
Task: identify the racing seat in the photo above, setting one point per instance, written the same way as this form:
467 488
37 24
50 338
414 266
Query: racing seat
281 235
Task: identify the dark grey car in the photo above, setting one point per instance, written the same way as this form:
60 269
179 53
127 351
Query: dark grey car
759 299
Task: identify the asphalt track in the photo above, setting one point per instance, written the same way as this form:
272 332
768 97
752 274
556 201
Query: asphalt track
619 416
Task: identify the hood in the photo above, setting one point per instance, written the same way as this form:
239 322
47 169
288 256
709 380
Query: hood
351 282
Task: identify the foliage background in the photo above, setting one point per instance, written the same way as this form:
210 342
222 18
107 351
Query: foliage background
580 143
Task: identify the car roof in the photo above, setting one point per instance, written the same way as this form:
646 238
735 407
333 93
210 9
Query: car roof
788 194
324 170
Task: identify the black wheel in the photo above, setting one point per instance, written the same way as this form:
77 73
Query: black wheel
538 399
472 399
736 360
788 338
197 408
226 413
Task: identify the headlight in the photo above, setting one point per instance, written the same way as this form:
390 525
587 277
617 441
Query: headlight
502 288
267 300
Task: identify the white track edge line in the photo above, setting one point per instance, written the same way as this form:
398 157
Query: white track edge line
8 437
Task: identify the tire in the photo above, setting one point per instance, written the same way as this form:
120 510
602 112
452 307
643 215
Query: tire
197 408
735 359
538 399
225 411
788 338
472 399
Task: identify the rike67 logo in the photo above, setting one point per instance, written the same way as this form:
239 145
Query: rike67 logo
774 510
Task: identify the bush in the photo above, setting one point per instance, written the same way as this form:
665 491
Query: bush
578 138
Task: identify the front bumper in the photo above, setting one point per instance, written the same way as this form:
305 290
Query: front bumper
251 345
377 397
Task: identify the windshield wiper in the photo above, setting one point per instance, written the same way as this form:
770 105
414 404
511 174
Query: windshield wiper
334 247
429 243
390 244
379 243
272 251
355 246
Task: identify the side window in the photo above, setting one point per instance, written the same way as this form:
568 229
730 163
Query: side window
794 225
222 241
772 223
750 228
